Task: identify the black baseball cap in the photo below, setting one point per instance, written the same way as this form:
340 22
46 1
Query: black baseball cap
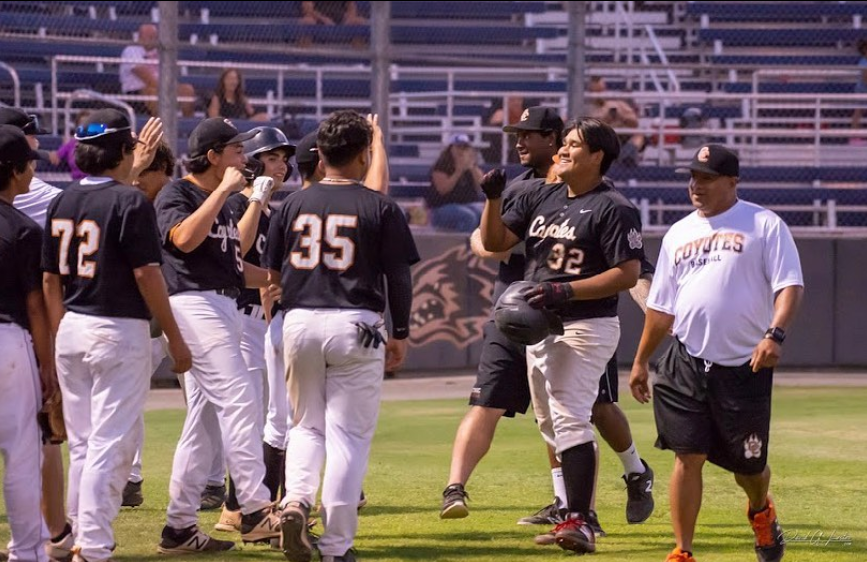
215 133
538 118
306 151
24 121
715 160
103 127
14 147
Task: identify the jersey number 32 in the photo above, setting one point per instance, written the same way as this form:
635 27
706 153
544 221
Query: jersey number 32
88 233
314 231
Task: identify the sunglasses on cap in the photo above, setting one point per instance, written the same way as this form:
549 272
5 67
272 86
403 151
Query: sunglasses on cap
32 126
94 130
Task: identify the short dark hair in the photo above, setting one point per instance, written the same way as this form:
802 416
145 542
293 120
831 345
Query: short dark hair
164 160
8 171
201 164
343 136
598 136
95 159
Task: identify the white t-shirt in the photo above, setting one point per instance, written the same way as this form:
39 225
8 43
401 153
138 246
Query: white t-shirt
35 203
131 57
717 276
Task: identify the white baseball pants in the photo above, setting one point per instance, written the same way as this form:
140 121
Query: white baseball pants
21 445
104 370
571 365
158 353
219 396
278 420
334 387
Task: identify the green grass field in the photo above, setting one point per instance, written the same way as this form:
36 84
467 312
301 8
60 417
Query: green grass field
818 454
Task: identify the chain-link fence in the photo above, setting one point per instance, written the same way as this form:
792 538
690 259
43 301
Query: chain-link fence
782 84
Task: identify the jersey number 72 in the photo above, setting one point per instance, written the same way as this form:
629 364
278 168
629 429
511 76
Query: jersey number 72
313 235
88 233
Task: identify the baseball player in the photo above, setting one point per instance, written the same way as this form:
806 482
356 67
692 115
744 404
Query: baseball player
268 153
583 244
334 244
23 330
502 378
728 285
34 203
205 273
102 283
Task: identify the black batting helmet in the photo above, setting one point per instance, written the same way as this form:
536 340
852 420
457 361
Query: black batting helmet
266 140
519 321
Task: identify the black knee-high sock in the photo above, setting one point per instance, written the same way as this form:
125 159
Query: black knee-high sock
275 471
579 467
232 498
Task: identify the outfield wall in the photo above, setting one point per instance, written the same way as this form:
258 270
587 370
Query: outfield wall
452 291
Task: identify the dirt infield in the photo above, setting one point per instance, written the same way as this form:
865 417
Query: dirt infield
426 385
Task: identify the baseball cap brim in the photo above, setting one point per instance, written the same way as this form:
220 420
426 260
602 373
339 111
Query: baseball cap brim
697 168
518 127
241 137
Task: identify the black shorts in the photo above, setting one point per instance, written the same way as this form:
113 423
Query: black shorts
705 408
608 393
501 381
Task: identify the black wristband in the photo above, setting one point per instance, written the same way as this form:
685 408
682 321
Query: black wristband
776 334
400 333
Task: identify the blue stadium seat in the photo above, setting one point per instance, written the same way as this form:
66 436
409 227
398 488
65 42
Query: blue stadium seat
781 37
762 11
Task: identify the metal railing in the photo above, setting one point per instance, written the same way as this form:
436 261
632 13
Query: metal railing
16 83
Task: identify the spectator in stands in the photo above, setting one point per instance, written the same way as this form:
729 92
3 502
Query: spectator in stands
66 152
455 194
141 79
500 117
860 88
331 13
618 114
229 99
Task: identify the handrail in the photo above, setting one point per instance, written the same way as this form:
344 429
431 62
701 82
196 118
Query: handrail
16 83
91 95
663 58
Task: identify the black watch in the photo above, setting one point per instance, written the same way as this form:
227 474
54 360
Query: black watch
776 334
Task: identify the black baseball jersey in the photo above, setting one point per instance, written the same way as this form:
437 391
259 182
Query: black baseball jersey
96 234
513 270
571 238
333 243
20 249
216 263
238 203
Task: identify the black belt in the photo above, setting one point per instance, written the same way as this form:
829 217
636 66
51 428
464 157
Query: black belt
232 292
254 311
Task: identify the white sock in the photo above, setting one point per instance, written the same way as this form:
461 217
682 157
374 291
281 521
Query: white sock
631 461
559 486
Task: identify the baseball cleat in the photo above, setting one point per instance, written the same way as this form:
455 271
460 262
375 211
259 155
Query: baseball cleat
549 515
60 548
454 502
677 555
132 496
295 538
593 520
639 495
770 544
213 497
261 526
575 534
190 541
230 521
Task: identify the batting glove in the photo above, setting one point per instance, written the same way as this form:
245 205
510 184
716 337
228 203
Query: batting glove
549 295
262 187
493 183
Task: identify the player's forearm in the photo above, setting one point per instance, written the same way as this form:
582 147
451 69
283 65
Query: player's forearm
656 327
37 314
248 226
494 234
52 291
786 306
152 287
377 175
479 249
621 277
192 231
399 280
255 277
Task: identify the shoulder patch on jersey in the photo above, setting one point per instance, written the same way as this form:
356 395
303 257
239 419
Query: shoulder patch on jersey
635 240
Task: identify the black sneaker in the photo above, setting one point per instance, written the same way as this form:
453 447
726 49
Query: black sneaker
639 492
132 496
592 521
190 541
574 534
295 534
549 515
348 556
213 497
454 502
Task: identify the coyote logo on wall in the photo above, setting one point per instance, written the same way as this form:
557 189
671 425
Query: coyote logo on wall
443 309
